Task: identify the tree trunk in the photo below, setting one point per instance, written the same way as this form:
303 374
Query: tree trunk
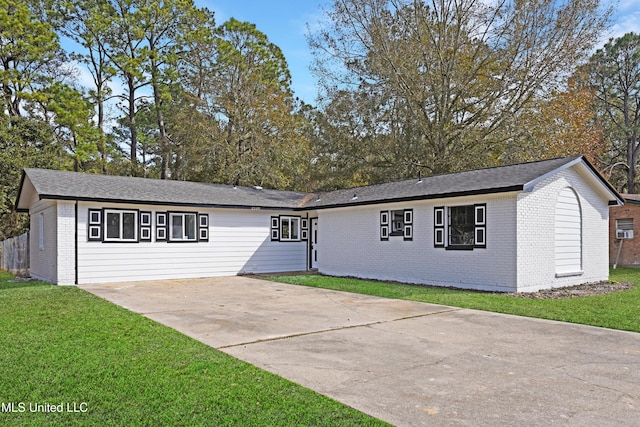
162 130
132 124
632 160
102 145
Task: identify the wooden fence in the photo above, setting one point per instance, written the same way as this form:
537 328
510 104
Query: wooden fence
14 255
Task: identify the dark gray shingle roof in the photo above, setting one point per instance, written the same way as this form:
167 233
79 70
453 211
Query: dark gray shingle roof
71 186
479 181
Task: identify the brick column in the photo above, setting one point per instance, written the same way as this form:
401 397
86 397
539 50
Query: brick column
66 243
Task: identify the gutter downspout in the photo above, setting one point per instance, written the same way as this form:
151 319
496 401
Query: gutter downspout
76 245
615 265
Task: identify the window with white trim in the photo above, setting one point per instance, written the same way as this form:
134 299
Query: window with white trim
182 227
289 228
132 225
120 225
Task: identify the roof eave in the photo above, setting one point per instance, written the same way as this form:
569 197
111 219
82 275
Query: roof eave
529 186
18 196
615 200
161 203
618 199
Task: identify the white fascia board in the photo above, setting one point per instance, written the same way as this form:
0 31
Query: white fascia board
584 170
529 186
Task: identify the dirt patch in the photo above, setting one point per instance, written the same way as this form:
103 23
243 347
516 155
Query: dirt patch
584 290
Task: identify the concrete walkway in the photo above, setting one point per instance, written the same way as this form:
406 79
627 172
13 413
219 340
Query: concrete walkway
405 362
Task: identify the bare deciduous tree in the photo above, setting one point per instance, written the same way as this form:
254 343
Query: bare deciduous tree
614 74
449 78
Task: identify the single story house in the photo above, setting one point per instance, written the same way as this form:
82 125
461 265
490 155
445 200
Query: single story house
624 232
521 227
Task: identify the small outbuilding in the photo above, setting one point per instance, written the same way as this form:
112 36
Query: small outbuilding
513 228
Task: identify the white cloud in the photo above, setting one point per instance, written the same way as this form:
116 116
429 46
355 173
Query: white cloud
626 23
625 19
84 76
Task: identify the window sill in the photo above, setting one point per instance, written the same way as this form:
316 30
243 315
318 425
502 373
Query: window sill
459 247
569 274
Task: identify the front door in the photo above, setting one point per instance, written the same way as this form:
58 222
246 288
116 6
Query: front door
313 263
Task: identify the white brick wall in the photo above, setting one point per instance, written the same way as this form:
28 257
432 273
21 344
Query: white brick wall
66 231
536 227
349 245
519 252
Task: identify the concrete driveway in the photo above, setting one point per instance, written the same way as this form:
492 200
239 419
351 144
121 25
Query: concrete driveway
404 362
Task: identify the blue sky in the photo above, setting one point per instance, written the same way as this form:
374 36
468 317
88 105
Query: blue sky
285 23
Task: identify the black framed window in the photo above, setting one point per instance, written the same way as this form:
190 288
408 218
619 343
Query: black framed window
132 225
465 227
461 226
396 223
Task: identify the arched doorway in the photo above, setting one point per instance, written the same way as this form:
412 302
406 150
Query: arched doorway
568 233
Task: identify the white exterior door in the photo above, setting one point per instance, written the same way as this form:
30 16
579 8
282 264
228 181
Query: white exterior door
313 262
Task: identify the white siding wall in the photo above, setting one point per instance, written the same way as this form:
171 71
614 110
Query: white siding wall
43 261
239 242
536 233
349 245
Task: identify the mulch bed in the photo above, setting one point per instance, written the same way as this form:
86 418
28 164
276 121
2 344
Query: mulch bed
584 290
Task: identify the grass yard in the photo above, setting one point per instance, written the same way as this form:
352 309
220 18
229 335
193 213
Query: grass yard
108 366
619 310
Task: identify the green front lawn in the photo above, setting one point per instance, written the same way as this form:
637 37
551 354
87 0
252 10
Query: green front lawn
619 310
62 345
